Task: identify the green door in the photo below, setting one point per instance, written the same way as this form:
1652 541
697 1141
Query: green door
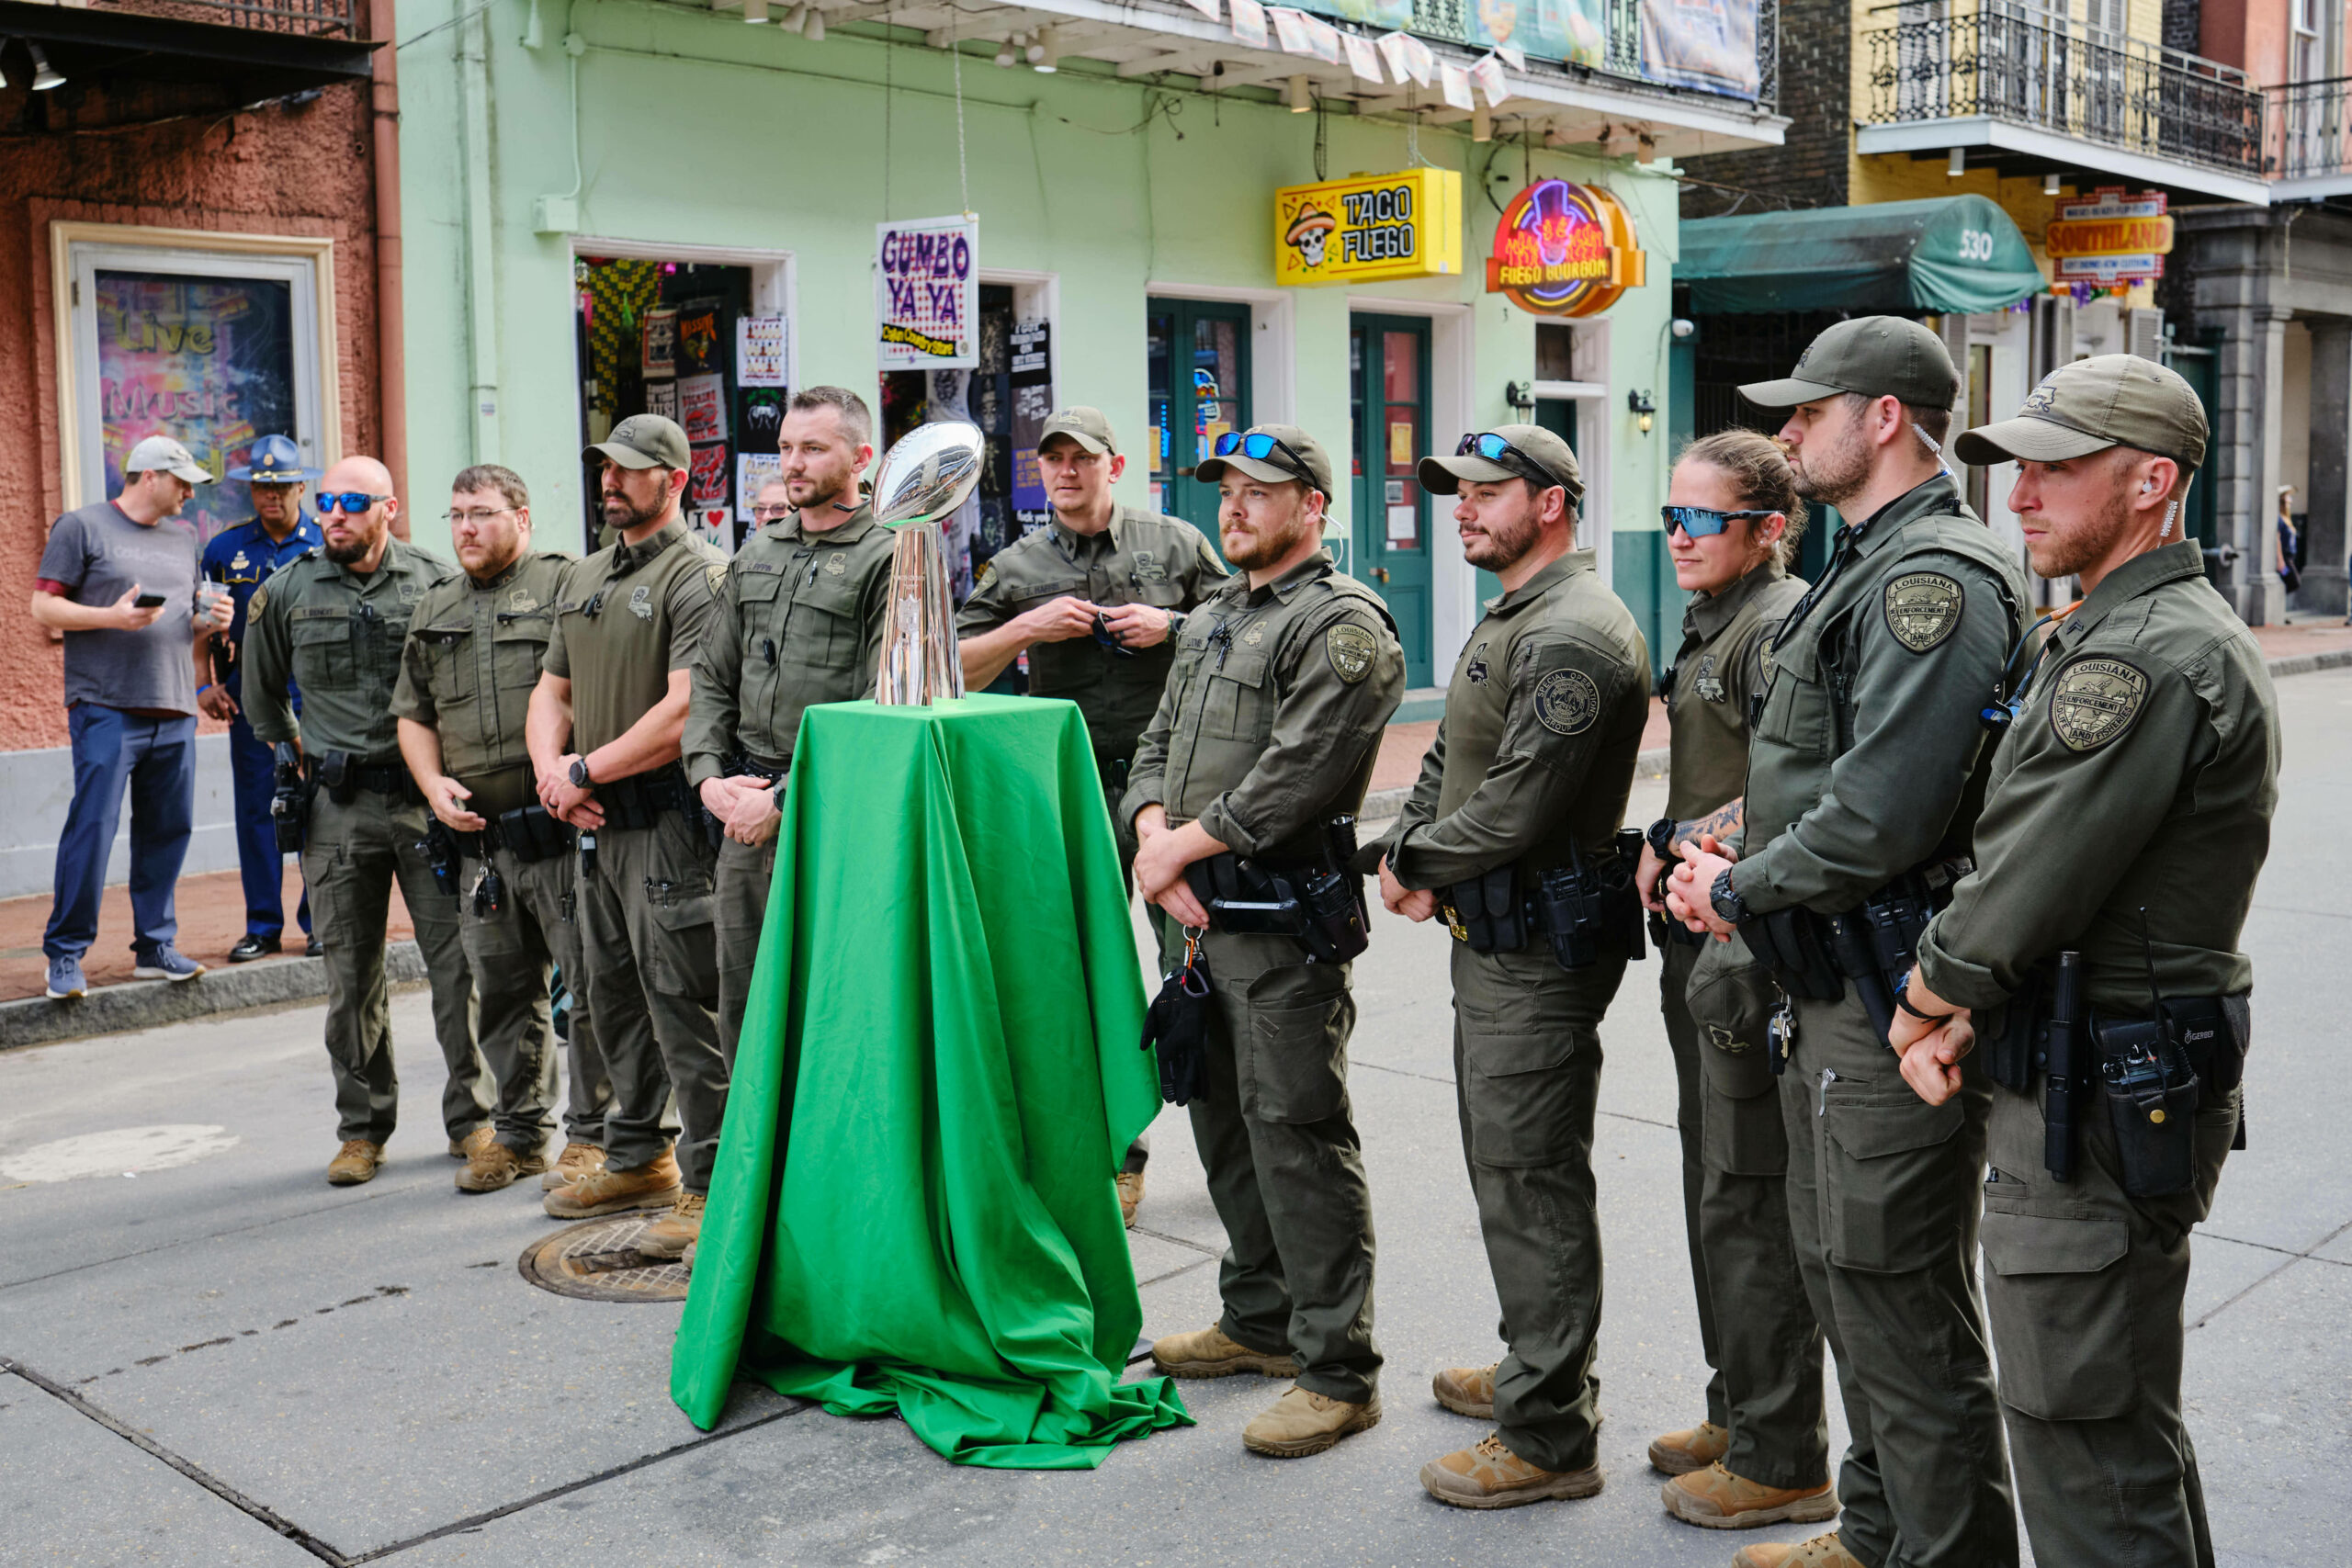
1388 361
1198 359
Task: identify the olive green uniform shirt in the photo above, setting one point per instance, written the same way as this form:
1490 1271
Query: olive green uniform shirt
1543 725
1271 718
1867 758
800 621
338 636
2142 772
1141 557
626 617
472 658
1718 671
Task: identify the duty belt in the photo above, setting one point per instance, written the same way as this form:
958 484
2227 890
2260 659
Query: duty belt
639 800
1870 946
529 833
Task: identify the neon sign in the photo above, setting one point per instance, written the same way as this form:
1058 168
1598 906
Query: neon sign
1565 250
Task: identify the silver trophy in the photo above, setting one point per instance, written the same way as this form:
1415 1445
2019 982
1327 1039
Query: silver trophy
923 478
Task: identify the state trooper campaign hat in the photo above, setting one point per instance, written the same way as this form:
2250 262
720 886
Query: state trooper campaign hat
1084 426
162 452
1506 452
644 441
1281 451
1878 356
2112 400
273 460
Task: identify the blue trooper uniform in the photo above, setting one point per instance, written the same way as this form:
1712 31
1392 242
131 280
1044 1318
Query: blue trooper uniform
243 557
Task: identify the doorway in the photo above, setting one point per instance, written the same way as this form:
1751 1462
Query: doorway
1197 354
1388 361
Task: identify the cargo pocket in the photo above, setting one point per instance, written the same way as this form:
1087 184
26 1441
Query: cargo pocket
1730 998
685 955
1796 704
1895 1196
2060 1301
1741 1134
1297 1067
1238 705
1528 1093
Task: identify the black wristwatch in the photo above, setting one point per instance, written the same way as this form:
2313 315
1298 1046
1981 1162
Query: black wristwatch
580 779
1728 904
1661 839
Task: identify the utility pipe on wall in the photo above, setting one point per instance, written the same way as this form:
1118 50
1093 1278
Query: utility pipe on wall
391 366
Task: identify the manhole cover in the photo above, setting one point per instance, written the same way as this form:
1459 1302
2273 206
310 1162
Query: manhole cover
598 1261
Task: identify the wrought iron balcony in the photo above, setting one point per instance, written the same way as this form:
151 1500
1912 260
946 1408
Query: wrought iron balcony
247 48
2035 69
2310 133
297 19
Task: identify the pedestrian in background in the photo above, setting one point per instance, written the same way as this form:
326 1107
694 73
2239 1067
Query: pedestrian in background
118 577
242 559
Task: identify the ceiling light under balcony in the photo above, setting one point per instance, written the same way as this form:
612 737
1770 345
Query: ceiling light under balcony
1481 124
1957 164
795 19
44 77
815 31
755 10
1302 97
1045 52
2050 184
1007 54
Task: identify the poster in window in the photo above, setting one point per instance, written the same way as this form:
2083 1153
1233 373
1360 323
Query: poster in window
760 351
661 397
759 417
1033 401
706 483
927 294
702 347
658 357
702 407
753 469
209 360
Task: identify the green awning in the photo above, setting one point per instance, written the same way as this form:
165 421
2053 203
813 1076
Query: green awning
1949 254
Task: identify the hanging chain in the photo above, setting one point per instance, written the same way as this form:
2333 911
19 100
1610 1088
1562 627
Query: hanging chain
963 175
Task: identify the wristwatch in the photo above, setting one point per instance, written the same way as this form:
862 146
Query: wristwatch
580 779
1728 904
1661 839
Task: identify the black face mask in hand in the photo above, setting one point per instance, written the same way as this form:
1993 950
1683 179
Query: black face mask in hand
1179 1024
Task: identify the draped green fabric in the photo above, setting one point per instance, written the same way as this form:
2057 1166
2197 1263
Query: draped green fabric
943 1035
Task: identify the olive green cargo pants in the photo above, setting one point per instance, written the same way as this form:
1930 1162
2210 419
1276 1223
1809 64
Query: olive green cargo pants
2085 1284
1882 1202
1527 1080
1756 1327
351 856
650 960
1285 1168
745 875
511 951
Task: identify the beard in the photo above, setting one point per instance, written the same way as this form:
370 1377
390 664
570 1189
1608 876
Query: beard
1271 546
2063 552
622 513
1834 473
355 547
1500 548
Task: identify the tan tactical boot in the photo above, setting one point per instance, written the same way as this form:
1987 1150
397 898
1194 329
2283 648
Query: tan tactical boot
674 1232
612 1190
576 1161
1130 1185
1490 1476
354 1163
1718 1499
473 1143
1693 1447
1468 1391
1209 1354
494 1166
1821 1552
1301 1423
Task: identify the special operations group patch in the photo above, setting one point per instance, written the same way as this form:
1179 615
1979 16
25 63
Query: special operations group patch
2096 699
1352 651
1922 608
1567 702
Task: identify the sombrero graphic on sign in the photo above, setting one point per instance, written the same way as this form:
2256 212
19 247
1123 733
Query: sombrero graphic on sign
1308 234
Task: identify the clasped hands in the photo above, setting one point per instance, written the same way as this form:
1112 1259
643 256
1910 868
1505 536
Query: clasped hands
746 808
1069 617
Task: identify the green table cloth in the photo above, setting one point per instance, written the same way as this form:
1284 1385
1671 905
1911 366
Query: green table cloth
912 1208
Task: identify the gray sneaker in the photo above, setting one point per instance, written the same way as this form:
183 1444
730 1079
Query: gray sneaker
165 961
65 980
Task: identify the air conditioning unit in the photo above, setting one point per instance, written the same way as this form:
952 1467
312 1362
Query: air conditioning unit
2143 334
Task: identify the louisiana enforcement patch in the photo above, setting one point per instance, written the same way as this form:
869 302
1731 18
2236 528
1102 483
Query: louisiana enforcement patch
716 573
640 602
2096 699
1922 607
261 598
1352 651
1567 702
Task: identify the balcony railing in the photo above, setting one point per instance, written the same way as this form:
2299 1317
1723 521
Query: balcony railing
296 18
2311 129
2031 67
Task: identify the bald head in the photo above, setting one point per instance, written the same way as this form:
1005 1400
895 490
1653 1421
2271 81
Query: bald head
356 538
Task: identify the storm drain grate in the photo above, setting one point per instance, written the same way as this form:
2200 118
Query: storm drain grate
598 1261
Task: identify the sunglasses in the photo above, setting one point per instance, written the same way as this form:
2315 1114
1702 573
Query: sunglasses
1261 448
352 501
1701 521
1104 636
1494 449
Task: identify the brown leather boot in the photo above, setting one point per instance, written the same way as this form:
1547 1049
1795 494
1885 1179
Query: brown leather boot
670 1235
1488 1475
1693 1447
494 1166
1130 1186
1208 1353
1719 1500
613 1191
1468 1391
576 1161
355 1162
1302 1422
1821 1552
473 1143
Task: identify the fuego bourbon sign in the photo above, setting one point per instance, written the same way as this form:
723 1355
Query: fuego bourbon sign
1369 227
1565 250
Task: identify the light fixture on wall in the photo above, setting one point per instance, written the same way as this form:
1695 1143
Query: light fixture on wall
532 35
1957 163
1302 98
2049 183
44 78
1481 124
1639 405
1045 52
1519 396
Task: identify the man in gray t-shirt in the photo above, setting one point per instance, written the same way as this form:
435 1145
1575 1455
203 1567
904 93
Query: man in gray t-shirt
118 577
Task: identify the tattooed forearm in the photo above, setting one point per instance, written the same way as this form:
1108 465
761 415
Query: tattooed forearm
1723 822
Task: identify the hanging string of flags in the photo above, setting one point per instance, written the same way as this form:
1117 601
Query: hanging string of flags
1394 58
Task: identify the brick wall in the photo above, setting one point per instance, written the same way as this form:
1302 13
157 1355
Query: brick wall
1809 168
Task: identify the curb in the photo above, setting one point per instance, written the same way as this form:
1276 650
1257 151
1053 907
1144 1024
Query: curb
2309 663
1383 804
148 1004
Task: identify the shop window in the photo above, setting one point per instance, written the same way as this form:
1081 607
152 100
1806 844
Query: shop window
214 347
1197 360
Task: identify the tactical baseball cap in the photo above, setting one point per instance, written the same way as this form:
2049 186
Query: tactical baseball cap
2113 400
1531 452
1277 465
645 441
1878 356
1082 424
162 452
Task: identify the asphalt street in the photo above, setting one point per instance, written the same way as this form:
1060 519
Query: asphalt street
221 1359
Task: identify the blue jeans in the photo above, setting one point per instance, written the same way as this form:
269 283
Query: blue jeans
264 869
156 757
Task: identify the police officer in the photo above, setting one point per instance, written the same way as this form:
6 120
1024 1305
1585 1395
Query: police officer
333 622
604 730
1863 774
1761 1456
243 557
1528 777
800 621
2128 818
1096 599
1282 682
467 674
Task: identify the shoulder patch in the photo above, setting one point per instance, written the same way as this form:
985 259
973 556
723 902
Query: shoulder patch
1352 651
1567 702
716 574
987 578
254 605
1922 608
2095 700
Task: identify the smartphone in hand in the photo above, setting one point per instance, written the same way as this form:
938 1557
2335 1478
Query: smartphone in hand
149 601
